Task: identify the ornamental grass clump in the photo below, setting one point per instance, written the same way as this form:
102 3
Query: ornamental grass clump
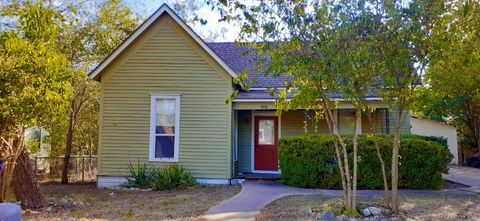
172 177
140 175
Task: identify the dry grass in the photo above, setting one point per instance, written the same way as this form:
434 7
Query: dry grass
101 204
412 208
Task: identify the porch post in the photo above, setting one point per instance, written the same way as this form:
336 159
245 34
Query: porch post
359 129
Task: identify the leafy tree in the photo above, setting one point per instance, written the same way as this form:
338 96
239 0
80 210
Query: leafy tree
85 41
187 10
32 143
406 56
325 50
341 47
33 88
452 89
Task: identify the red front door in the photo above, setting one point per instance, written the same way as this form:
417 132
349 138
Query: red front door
266 143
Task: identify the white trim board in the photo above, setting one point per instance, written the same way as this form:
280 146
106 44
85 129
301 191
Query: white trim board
153 134
116 181
207 181
144 26
273 100
110 181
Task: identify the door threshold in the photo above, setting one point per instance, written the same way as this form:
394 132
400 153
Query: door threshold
267 171
262 176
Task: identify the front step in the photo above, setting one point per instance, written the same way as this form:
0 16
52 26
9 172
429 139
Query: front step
261 176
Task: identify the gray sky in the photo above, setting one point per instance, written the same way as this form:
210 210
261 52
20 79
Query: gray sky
147 7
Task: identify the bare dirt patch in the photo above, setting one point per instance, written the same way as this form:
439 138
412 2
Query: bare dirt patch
412 207
86 202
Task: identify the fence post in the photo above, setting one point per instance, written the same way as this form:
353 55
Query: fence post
83 169
35 166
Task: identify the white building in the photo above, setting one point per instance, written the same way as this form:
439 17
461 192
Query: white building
427 127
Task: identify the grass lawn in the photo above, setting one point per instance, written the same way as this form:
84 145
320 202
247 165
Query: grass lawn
100 204
412 208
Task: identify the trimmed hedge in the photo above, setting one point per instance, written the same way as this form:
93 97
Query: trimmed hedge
310 162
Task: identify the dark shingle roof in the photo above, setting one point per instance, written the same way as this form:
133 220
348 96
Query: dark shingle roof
240 58
266 94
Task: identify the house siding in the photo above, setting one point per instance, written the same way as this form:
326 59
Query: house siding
244 141
293 124
165 60
406 126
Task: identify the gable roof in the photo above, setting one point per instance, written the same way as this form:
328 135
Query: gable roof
164 9
241 58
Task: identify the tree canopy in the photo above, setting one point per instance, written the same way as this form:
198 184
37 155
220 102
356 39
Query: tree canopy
452 81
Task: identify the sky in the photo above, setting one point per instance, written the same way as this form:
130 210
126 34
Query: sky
146 7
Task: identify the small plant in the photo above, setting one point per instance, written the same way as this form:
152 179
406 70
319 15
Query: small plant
351 212
334 205
130 213
141 175
172 177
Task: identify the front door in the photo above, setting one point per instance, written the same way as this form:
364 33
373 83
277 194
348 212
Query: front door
266 143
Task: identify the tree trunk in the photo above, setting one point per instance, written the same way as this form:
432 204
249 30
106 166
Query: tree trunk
5 178
394 201
68 149
382 165
358 126
10 149
380 158
25 185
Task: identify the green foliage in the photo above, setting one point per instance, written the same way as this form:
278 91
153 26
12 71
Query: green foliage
171 177
306 161
440 140
32 142
334 205
452 92
66 39
140 175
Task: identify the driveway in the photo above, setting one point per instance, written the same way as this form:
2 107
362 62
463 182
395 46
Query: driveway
468 176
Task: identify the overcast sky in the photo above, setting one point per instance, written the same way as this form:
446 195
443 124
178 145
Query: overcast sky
146 7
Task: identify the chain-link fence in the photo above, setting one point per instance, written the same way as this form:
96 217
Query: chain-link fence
80 168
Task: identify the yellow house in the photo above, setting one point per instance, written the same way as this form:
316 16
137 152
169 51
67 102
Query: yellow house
163 100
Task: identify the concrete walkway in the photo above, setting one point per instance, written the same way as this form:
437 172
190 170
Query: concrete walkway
256 195
464 175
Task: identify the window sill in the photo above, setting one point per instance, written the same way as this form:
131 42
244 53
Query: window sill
164 160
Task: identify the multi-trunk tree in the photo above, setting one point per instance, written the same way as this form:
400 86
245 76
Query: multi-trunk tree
342 49
327 50
405 54
33 88
46 49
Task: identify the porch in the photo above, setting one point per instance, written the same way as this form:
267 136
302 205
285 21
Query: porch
256 132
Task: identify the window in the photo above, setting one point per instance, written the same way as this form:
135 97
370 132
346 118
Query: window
266 132
164 128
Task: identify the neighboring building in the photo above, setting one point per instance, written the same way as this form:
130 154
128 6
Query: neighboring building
163 100
427 127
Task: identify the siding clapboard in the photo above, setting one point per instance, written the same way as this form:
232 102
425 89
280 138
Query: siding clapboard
244 141
166 60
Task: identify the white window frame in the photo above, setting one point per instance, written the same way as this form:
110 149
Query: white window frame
153 134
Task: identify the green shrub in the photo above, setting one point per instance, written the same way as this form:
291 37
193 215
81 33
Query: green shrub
309 161
440 140
140 176
172 177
